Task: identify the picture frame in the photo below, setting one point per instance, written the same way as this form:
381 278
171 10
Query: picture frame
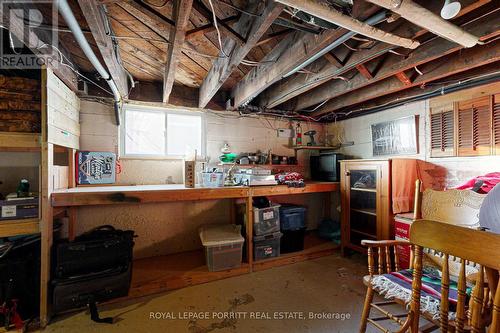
395 137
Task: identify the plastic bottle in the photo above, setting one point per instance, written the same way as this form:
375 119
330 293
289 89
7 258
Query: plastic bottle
298 135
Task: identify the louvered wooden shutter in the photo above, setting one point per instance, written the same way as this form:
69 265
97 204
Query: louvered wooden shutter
496 124
442 131
474 127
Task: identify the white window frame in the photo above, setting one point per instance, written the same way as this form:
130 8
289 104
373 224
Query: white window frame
166 111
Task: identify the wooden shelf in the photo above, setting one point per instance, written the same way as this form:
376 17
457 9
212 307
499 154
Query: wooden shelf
311 187
314 148
366 234
11 228
371 190
13 141
314 247
163 273
368 211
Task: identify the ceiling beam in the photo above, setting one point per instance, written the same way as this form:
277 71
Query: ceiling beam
273 36
364 71
405 79
254 28
182 10
324 11
207 28
92 11
425 18
333 60
468 59
40 47
299 84
395 64
225 29
159 24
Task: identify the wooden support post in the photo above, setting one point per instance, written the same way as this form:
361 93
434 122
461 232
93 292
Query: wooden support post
46 230
249 229
71 168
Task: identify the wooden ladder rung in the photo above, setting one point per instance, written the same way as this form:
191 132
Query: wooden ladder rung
399 315
388 314
385 303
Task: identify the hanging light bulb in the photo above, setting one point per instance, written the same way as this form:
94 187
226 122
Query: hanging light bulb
450 9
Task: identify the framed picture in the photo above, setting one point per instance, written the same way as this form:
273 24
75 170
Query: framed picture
395 137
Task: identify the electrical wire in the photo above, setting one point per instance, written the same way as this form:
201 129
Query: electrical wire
238 9
219 38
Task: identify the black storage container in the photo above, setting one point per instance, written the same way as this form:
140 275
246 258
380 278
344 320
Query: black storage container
292 217
266 246
292 240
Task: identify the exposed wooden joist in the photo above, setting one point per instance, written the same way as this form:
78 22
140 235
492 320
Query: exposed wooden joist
299 84
182 9
467 60
333 60
92 11
207 28
428 52
35 42
405 79
273 36
254 28
364 71
423 17
324 11
225 29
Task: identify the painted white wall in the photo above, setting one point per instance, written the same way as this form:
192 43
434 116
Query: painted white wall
459 169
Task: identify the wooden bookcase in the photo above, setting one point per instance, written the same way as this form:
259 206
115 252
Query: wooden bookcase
365 196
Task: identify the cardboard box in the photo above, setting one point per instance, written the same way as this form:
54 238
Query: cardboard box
18 208
402 224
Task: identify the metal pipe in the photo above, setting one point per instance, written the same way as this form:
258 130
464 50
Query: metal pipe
72 23
377 18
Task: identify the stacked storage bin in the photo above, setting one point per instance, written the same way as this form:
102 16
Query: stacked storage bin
266 229
293 227
223 246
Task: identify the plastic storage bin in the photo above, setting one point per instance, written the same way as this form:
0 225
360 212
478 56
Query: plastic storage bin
266 220
292 217
292 240
266 246
212 179
223 246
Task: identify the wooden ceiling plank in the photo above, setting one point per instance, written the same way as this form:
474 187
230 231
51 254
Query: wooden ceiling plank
39 47
148 17
223 26
207 28
428 52
93 14
467 60
254 28
182 10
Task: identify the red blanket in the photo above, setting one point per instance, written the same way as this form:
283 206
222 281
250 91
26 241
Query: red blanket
483 184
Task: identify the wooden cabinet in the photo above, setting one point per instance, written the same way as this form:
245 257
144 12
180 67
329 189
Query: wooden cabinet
365 195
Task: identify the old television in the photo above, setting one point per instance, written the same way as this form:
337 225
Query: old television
326 166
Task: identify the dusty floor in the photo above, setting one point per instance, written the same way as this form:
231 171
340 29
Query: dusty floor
328 287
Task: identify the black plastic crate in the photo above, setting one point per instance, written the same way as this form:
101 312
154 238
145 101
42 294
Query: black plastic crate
292 217
266 246
293 240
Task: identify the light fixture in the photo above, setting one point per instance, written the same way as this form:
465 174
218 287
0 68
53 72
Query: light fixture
450 9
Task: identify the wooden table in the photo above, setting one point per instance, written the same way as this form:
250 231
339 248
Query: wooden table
162 273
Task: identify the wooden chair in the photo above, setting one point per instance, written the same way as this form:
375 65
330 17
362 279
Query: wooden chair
469 245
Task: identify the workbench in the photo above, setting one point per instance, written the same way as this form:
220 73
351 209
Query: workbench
168 272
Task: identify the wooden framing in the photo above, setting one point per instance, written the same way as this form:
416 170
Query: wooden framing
188 268
91 9
426 53
222 68
182 10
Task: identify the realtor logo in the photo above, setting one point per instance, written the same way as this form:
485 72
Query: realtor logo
27 37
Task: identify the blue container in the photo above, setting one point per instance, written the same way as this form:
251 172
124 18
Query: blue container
292 217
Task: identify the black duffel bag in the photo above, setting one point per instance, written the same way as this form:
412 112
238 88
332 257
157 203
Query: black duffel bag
97 250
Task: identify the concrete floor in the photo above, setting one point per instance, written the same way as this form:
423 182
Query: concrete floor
329 286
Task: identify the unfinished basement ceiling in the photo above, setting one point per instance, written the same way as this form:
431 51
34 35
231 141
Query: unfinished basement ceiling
268 73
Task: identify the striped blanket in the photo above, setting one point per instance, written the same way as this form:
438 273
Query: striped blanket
398 285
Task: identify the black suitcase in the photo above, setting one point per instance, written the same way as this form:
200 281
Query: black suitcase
81 291
98 250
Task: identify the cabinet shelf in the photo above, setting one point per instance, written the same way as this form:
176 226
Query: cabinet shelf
369 211
11 228
366 234
371 190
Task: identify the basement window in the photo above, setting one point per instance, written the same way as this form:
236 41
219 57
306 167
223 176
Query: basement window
149 132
